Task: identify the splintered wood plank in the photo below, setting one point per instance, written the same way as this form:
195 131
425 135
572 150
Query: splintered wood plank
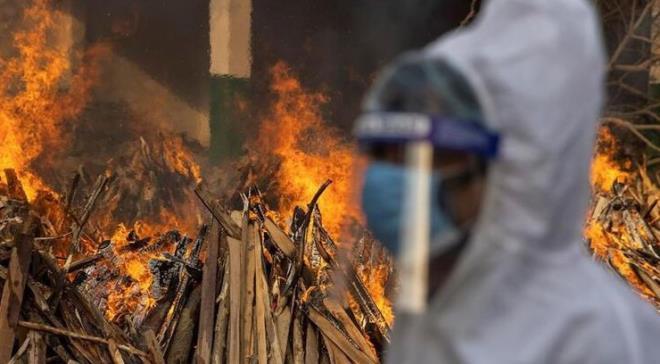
220 338
260 306
114 352
207 307
298 346
339 313
154 348
37 351
311 345
276 350
279 238
235 281
224 218
14 287
336 336
337 356
248 298
20 352
283 323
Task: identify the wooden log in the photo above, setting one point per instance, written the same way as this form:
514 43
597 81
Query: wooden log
218 213
84 262
153 347
280 239
114 352
75 335
235 281
20 352
247 294
298 346
356 287
77 308
14 287
220 337
311 345
260 300
336 336
336 355
338 312
207 306
277 351
37 351
78 226
283 324
182 340
167 329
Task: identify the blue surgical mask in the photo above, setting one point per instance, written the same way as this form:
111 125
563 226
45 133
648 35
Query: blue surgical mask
383 201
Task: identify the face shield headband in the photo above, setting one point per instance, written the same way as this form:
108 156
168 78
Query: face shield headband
443 133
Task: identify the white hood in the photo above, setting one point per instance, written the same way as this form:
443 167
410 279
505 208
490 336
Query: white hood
525 291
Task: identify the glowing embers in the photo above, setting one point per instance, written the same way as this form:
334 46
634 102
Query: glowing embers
622 227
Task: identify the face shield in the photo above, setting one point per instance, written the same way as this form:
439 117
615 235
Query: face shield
420 101
423 131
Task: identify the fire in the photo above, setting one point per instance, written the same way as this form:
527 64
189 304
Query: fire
608 243
604 169
180 160
135 294
34 107
43 90
310 152
374 279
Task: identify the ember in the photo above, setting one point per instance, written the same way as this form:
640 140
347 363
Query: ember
622 226
279 294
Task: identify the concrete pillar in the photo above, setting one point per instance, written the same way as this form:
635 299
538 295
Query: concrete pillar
230 68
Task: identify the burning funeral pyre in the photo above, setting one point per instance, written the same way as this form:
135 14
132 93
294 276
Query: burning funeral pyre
261 294
127 262
623 227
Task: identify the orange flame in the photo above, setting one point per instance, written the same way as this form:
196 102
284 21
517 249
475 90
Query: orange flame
33 104
604 169
374 279
42 91
310 152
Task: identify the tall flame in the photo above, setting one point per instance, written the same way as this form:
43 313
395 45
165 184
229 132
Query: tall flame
310 152
43 89
33 104
604 169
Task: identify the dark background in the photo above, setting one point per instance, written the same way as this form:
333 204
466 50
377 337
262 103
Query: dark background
332 45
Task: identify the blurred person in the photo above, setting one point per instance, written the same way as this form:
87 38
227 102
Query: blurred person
511 105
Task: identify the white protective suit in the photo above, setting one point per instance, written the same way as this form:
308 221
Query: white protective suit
526 290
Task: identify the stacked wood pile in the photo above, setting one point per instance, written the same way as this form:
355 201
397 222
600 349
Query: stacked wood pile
282 298
39 307
262 295
623 229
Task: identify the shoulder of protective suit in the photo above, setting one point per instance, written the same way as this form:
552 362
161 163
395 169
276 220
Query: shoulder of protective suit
623 325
